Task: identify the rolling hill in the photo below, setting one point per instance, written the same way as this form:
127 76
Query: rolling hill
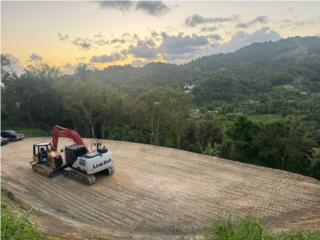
254 69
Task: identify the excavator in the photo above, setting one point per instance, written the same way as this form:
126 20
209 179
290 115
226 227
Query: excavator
78 163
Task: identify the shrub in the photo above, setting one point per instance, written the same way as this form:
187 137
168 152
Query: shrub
250 229
18 228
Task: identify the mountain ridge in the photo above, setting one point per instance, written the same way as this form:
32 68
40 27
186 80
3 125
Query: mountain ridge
257 68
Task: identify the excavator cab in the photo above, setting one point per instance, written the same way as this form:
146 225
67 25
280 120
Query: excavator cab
41 152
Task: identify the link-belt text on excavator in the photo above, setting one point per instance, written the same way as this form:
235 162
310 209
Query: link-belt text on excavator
101 163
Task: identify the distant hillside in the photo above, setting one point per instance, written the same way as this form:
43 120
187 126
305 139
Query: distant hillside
257 53
135 80
233 77
258 68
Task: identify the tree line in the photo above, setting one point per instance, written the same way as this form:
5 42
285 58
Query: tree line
42 97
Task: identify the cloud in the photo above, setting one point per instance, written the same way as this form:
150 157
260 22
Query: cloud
101 42
82 43
35 58
196 19
209 29
144 49
63 37
98 35
125 35
125 38
105 58
100 39
153 8
119 5
215 37
182 44
181 47
155 35
296 24
258 19
242 39
174 48
117 40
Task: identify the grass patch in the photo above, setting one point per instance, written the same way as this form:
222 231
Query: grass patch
17 227
251 229
14 225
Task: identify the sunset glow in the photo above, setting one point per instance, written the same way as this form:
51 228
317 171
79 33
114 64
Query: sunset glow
101 34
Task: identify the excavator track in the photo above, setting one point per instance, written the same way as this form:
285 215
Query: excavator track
43 169
79 176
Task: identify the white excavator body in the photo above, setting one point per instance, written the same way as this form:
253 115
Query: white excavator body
93 162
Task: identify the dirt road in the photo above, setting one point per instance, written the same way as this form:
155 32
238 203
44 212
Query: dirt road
162 192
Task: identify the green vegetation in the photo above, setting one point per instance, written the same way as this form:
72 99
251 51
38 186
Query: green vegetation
265 118
14 225
251 229
281 144
259 105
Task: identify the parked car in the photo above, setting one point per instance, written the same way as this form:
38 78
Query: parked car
12 135
3 140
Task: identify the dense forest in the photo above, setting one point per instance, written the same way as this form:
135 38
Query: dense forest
259 105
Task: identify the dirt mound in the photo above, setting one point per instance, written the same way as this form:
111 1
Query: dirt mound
162 191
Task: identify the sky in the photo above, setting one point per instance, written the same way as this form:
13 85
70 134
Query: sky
105 33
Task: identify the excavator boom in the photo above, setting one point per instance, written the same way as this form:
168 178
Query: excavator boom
65 132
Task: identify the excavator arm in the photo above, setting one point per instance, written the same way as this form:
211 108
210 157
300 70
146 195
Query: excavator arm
65 132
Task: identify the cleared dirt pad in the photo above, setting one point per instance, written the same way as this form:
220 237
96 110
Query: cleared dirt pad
160 191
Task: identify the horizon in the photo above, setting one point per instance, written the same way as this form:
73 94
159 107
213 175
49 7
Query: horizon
98 34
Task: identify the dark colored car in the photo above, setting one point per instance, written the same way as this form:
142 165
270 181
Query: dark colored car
3 140
12 135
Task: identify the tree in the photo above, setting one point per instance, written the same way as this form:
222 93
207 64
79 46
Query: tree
82 106
286 146
201 135
315 172
165 114
239 143
5 73
31 98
